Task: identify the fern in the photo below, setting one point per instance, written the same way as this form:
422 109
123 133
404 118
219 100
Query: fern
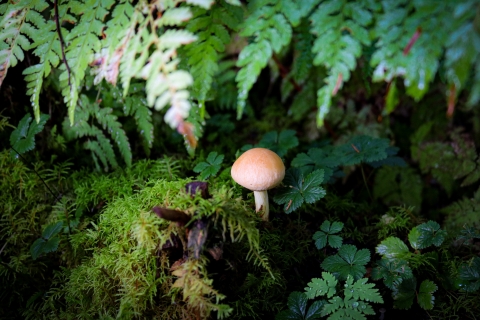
356 297
213 35
335 49
270 22
22 139
83 41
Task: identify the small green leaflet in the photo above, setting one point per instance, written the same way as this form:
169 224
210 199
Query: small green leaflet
425 294
321 287
48 242
363 149
279 143
22 139
393 272
300 189
327 235
469 275
297 304
361 290
392 248
211 167
426 234
349 307
348 261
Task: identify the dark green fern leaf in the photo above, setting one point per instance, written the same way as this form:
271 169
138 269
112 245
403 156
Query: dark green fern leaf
22 139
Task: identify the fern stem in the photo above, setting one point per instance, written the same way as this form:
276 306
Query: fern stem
62 43
365 182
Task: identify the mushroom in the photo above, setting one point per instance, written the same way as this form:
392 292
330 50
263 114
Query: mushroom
259 170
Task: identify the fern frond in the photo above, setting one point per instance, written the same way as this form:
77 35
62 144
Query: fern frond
462 50
109 122
411 37
15 26
212 37
83 41
271 26
341 30
143 117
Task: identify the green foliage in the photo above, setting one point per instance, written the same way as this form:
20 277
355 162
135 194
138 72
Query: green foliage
322 286
469 275
279 143
48 242
300 189
327 235
393 272
396 220
213 36
405 294
426 235
398 186
348 262
463 212
22 139
335 49
355 301
297 304
392 248
211 167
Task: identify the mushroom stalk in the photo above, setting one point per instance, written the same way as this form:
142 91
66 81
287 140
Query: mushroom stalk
261 203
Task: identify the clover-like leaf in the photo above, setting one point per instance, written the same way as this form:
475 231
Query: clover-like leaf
327 235
348 261
300 189
392 248
426 234
324 286
279 142
211 167
425 294
22 139
393 272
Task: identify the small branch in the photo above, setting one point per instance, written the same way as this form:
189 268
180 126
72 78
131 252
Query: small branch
62 43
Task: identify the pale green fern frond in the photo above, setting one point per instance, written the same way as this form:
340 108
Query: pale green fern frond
213 36
271 26
83 41
410 39
341 30
15 30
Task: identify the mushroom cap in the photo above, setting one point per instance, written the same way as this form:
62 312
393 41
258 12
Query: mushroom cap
258 169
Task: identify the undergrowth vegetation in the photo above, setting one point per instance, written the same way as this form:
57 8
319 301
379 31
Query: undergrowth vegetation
106 212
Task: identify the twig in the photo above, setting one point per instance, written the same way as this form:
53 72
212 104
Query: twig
62 43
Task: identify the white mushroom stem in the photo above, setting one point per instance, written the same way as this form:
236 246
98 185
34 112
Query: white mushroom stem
261 203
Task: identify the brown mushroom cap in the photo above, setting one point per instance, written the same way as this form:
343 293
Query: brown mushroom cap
258 169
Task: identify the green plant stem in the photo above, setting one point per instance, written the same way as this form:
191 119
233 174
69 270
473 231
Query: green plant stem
365 182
